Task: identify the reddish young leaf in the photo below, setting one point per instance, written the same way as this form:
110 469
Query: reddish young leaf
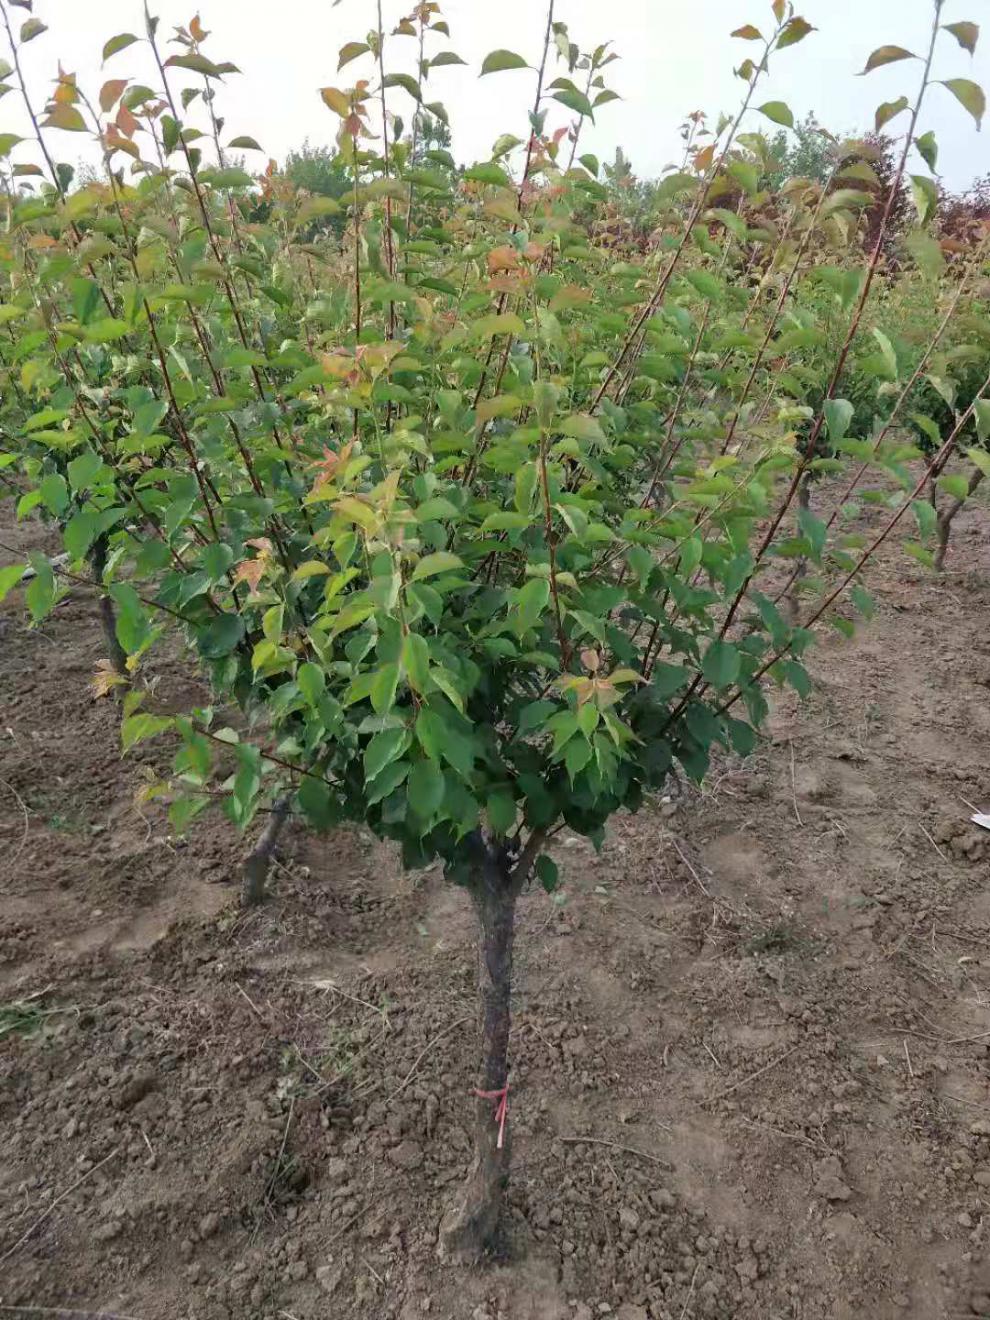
111 92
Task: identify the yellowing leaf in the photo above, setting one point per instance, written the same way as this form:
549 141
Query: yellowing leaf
105 679
970 95
336 100
111 92
351 51
796 30
66 117
887 55
967 34
502 405
311 568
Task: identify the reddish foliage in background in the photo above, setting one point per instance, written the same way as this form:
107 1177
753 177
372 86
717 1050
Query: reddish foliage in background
901 215
963 216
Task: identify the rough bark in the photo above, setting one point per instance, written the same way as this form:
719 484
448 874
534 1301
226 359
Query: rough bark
257 863
944 525
470 1229
115 652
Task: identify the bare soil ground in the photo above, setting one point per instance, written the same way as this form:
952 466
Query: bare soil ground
751 1056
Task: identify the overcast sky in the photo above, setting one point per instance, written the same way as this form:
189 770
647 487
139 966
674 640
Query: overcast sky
675 58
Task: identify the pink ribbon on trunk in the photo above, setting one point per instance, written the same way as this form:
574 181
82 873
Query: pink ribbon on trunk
501 1109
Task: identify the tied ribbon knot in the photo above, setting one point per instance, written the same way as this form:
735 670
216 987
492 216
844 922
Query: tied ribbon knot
501 1109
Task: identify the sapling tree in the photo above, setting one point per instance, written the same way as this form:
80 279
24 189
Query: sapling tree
470 520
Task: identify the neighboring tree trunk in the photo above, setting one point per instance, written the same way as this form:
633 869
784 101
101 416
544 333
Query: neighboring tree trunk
470 1228
115 652
793 596
944 525
258 861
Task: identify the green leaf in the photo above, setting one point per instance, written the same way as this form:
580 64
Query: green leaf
83 469
383 688
54 493
501 811
778 112
531 601
582 427
887 55
232 177
889 110
954 485
928 147
814 531
668 679
746 175
383 749
198 63
838 415
312 682
425 789
488 172
887 351
721 664
216 559
79 533
925 196
221 636
926 252
576 756
863 601
797 676
31 29
444 58
406 82
316 803
244 143
981 414
546 396
498 60
118 43
138 728
10 577
387 781
439 562
576 101
547 872
970 96
40 594
416 662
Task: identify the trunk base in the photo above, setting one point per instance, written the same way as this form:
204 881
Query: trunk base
470 1228
256 865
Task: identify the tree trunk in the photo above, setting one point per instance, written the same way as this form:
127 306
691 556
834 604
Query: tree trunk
944 524
258 861
115 652
801 569
471 1226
